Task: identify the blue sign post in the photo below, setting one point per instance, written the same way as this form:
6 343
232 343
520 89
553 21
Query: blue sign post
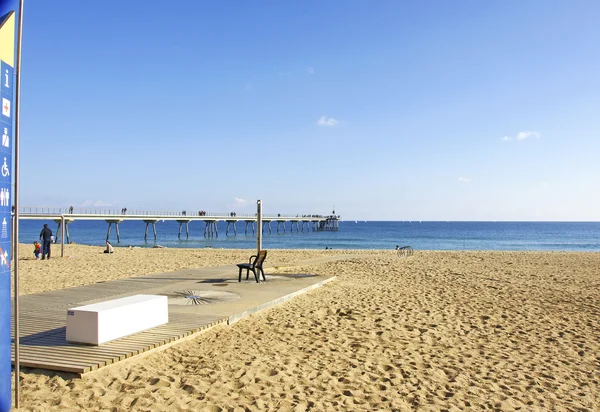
7 109
6 126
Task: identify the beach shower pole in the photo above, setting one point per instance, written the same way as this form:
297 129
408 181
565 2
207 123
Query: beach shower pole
15 241
62 235
259 223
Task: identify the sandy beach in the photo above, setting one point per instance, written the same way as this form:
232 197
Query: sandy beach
434 331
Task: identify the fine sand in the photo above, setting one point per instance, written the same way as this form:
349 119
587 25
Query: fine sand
434 331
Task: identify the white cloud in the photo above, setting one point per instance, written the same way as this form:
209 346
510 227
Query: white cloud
238 201
464 180
327 121
248 85
95 203
310 70
523 136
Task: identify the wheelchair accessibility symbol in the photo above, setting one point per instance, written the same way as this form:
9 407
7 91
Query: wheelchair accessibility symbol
5 169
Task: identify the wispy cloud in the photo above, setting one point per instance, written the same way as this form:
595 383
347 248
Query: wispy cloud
248 85
464 180
327 121
239 204
310 70
523 136
96 203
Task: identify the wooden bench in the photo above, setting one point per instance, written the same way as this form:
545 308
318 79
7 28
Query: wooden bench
255 265
105 321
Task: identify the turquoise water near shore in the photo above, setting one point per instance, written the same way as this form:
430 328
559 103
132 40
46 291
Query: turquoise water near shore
557 236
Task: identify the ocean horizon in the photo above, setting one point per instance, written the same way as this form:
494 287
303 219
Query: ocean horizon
352 234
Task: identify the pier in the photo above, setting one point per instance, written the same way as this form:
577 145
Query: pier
65 216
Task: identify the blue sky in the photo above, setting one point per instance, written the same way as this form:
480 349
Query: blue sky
389 110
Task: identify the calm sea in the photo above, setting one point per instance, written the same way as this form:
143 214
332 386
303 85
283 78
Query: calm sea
558 236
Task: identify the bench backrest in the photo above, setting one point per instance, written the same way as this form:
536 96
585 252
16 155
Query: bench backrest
262 255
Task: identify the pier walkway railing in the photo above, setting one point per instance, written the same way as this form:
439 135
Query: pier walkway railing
32 212
64 216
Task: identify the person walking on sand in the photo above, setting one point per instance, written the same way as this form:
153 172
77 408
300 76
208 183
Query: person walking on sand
46 238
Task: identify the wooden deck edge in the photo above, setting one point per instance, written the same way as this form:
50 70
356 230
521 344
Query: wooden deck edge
162 347
238 316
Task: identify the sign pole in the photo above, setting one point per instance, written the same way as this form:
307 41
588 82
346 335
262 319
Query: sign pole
259 224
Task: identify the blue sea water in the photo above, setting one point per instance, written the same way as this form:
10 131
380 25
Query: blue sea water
557 236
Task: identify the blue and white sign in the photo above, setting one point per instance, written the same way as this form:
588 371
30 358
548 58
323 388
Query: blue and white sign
7 110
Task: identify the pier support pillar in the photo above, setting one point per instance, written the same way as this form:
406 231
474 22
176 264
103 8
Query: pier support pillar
268 224
232 223
59 231
187 228
279 224
147 222
211 229
251 223
116 222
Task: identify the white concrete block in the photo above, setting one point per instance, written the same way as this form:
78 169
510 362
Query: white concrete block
105 321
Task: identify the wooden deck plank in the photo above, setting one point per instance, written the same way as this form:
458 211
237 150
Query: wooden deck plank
61 355
54 366
43 316
51 346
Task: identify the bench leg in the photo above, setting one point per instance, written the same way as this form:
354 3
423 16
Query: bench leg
263 274
240 278
256 275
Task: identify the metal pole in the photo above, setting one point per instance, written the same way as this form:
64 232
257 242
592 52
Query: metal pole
62 236
259 222
16 201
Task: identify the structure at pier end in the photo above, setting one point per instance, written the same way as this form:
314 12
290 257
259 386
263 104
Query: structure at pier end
331 222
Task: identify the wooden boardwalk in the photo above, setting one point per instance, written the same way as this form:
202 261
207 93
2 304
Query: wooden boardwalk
43 316
44 346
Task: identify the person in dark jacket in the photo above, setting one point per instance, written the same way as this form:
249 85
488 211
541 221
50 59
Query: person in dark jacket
46 238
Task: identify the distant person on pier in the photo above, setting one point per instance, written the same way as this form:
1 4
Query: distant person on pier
37 249
109 248
46 238
71 210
